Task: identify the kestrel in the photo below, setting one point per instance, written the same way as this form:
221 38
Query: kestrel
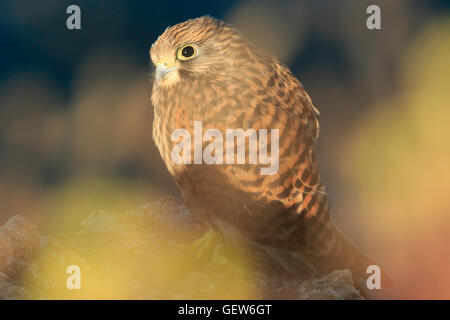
207 71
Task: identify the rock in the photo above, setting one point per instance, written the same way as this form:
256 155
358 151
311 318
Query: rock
19 241
156 251
173 213
9 290
101 221
337 285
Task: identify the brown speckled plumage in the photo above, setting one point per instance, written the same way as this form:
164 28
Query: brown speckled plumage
232 84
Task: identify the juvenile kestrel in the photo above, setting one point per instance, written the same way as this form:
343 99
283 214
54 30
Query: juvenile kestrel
207 71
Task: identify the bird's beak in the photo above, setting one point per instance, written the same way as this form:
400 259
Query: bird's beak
163 69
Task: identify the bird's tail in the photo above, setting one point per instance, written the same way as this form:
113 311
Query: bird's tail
346 255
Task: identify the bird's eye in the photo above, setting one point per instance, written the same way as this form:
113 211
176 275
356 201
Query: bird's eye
186 53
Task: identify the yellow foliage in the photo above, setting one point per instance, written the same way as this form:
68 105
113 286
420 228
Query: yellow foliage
398 162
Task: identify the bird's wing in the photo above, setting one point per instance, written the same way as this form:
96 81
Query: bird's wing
305 224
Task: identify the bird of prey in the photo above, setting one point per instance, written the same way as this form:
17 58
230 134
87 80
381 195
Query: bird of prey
207 71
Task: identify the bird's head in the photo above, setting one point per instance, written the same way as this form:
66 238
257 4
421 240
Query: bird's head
194 49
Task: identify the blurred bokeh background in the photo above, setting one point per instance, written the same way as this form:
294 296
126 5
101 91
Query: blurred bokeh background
76 117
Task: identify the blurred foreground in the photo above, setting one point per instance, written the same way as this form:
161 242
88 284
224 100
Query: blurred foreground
158 251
